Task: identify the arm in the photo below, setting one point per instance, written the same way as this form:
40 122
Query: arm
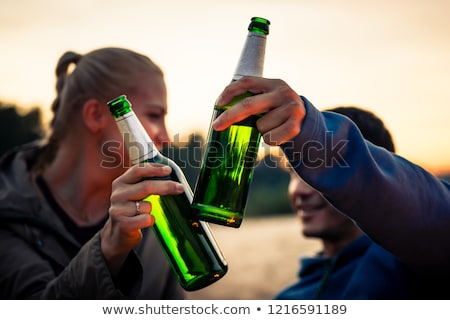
87 277
29 274
400 205
123 230
37 262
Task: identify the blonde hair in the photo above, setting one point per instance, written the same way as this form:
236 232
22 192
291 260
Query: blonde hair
101 74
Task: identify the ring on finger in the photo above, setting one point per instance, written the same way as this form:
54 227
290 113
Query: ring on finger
138 208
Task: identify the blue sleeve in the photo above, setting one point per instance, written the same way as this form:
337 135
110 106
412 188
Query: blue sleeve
400 205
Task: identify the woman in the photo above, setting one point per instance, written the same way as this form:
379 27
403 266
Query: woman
72 225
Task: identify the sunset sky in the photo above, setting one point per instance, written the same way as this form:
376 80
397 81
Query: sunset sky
389 56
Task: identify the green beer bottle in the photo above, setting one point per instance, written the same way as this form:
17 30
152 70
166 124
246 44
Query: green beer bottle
187 242
227 166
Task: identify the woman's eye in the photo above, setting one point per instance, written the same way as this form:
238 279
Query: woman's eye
154 116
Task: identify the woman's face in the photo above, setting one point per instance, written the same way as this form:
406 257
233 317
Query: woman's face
149 103
150 106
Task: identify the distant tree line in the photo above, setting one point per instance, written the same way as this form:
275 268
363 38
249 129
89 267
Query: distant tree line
267 194
17 128
268 190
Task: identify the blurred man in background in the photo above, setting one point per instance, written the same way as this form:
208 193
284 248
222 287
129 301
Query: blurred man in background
350 265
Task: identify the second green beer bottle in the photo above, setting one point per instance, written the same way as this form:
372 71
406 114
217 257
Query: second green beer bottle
222 187
187 242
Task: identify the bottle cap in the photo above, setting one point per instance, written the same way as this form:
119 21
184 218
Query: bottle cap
260 25
119 106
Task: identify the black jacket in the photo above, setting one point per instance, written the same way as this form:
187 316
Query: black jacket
40 259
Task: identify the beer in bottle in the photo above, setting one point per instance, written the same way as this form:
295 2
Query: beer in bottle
227 166
188 243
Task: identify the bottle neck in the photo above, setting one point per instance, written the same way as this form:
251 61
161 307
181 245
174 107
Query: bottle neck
136 139
251 62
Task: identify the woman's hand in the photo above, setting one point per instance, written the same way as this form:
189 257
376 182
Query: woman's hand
128 214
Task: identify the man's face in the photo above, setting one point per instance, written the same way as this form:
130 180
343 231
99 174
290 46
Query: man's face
319 219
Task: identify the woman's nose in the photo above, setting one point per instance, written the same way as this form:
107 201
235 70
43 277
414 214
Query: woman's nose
161 137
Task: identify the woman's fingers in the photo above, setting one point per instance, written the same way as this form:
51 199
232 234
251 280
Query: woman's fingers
144 170
133 185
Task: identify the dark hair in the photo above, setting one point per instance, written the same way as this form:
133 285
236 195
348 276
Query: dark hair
372 128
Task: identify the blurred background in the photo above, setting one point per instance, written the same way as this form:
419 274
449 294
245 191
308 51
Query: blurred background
390 57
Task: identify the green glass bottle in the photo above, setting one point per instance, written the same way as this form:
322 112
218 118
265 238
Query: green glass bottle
188 243
227 167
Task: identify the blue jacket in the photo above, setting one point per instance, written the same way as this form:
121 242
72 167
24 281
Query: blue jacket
401 206
361 270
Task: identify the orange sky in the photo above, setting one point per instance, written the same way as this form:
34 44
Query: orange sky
391 57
